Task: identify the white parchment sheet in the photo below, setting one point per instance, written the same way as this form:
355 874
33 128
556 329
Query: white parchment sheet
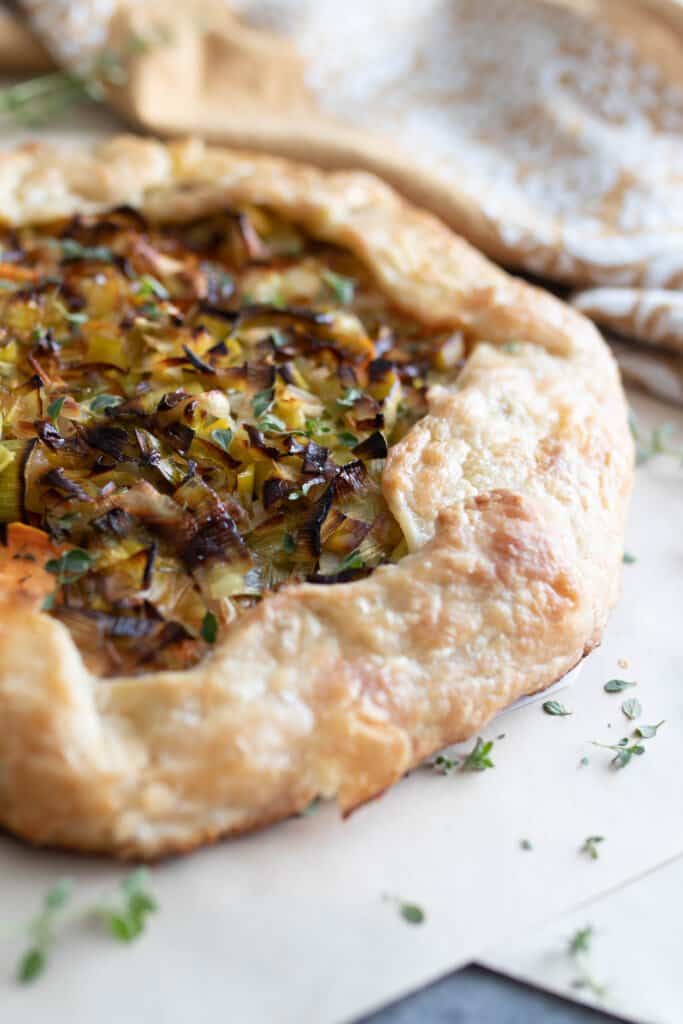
635 950
290 925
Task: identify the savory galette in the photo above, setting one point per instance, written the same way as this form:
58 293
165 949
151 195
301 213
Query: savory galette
296 488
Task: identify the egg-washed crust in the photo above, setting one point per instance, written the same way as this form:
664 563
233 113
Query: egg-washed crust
512 493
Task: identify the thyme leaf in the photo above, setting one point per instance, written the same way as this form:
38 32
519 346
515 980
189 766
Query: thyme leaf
617 685
554 707
590 846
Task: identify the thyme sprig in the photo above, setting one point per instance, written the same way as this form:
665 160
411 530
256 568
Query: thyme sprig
124 921
40 99
477 760
579 947
657 442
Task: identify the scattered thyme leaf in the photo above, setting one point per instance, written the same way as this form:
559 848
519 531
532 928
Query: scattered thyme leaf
223 438
352 561
657 443
525 844
128 921
349 397
316 426
348 439
31 965
150 311
646 732
444 765
584 761
209 630
628 558
578 948
149 287
412 913
311 808
73 250
70 566
580 941
272 423
261 401
478 760
632 708
623 753
617 685
72 318
343 287
590 846
104 402
553 707
54 409
42 931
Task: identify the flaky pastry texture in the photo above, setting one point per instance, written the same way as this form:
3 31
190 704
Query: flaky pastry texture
512 493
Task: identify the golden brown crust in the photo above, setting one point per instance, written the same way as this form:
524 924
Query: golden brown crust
512 492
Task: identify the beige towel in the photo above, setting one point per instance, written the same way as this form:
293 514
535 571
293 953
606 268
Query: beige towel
549 132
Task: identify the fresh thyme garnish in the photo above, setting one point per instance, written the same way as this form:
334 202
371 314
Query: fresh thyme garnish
272 423
350 397
444 765
261 401
342 287
580 942
348 439
646 732
590 846
149 287
632 708
223 438
584 761
352 561
39 99
410 912
628 558
311 808
73 250
104 402
41 931
525 844
657 443
553 707
624 753
128 921
124 922
72 318
70 566
209 628
617 685
578 948
54 409
476 761
316 426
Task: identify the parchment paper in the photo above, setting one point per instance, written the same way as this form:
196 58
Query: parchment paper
290 925
635 951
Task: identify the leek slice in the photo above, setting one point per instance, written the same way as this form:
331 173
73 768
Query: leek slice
11 479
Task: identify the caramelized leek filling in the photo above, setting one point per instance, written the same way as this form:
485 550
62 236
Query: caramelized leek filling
197 414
